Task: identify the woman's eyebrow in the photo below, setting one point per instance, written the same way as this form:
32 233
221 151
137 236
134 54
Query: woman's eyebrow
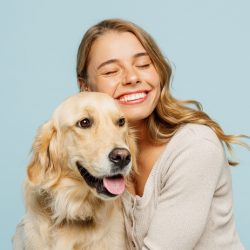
107 62
140 54
116 60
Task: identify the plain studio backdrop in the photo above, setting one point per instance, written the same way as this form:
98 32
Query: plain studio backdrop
207 43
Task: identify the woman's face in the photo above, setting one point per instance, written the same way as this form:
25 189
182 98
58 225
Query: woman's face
120 67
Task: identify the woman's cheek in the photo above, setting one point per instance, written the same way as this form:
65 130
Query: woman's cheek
108 86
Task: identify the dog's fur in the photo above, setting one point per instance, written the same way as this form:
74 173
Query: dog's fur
62 211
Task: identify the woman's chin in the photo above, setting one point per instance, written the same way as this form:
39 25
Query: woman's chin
136 118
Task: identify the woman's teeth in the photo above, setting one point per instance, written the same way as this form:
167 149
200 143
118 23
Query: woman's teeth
132 97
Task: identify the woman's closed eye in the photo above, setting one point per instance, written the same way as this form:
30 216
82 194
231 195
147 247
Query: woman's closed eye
143 62
143 66
111 72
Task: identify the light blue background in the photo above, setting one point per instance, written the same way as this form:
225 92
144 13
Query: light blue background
207 41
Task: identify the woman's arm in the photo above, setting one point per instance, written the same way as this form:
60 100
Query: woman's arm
186 196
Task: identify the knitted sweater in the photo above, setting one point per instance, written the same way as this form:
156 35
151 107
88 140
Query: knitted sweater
187 201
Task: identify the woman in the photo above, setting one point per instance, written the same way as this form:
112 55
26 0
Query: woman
181 197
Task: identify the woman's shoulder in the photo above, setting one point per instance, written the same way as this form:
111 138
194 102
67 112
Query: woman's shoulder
193 149
196 141
191 132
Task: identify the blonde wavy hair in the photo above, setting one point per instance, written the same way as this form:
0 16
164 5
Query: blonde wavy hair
170 114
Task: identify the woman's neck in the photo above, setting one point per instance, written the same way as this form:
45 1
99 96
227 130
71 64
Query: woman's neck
142 134
148 153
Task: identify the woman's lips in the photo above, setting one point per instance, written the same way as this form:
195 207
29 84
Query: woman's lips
132 98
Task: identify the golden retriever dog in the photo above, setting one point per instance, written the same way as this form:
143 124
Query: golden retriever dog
80 161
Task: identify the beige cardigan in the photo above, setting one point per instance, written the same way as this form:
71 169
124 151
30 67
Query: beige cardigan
187 200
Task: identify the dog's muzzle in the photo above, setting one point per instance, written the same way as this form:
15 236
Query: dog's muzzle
114 184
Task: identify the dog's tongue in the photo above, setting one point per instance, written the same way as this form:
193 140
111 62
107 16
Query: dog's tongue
114 185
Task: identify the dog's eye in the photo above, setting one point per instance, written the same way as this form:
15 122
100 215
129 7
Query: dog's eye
121 122
84 123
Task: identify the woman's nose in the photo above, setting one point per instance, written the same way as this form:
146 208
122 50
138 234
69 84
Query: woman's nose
130 76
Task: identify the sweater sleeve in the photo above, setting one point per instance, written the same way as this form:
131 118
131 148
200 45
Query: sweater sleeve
187 190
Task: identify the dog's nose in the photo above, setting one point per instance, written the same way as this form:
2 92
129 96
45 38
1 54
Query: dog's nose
120 157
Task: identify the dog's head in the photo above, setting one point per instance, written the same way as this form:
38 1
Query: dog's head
86 145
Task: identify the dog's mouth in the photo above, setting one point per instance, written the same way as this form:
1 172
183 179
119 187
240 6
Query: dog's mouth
111 186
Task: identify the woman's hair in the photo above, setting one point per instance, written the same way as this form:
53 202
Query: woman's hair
170 114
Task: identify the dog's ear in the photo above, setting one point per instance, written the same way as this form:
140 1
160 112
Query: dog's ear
43 166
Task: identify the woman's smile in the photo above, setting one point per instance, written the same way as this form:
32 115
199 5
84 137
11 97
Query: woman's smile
132 98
